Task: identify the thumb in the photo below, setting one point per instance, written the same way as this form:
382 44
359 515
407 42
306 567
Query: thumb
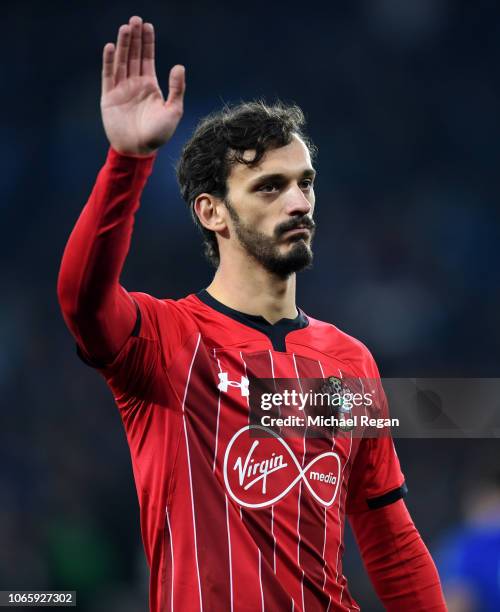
176 86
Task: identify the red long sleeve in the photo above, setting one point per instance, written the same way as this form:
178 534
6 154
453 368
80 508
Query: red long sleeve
397 560
97 309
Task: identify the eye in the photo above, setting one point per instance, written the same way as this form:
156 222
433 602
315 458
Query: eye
268 187
306 183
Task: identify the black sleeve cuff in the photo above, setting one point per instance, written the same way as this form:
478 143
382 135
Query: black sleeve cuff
100 364
387 498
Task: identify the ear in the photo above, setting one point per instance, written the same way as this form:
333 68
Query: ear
211 212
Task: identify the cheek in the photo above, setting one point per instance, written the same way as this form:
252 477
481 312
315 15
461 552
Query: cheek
270 224
260 216
263 221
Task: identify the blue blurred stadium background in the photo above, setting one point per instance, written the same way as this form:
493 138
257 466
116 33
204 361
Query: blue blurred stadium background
402 98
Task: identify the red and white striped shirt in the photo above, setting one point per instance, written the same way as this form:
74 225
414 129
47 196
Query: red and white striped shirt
215 539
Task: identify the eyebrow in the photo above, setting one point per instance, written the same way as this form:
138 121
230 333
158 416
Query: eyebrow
278 176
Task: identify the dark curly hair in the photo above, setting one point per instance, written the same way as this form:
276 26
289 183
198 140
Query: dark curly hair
220 140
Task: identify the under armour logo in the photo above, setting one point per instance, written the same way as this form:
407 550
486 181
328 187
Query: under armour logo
225 383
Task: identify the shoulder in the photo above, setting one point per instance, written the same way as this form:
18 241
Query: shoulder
330 339
182 306
166 314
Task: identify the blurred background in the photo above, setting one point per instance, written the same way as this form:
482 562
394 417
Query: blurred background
402 98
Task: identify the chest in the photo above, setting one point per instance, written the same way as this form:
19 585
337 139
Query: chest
259 448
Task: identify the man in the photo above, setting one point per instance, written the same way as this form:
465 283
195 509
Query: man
215 537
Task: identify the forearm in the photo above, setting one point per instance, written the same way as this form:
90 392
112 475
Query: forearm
397 560
89 291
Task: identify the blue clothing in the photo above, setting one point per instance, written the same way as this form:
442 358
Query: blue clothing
470 555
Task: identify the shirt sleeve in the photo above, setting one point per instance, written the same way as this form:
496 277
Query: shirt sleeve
98 311
376 479
397 560
137 373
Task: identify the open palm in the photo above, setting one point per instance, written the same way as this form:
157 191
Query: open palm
137 119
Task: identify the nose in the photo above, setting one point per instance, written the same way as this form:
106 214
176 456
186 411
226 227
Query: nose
297 203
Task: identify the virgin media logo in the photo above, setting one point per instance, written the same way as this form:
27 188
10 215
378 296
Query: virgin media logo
260 472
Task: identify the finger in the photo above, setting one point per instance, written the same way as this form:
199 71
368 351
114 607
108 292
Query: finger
108 56
134 58
148 50
176 86
121 54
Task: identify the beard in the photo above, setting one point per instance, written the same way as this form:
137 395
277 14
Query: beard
265 249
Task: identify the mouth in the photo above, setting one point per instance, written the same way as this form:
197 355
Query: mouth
297 231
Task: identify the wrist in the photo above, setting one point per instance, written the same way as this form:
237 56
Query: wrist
134 154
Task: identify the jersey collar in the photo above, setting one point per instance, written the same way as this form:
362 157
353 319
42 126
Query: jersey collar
276 332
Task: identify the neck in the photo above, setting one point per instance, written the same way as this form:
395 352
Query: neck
251 289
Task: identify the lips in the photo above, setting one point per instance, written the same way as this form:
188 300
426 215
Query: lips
297 230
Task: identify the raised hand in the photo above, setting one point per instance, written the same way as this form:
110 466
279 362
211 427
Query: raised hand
137 119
